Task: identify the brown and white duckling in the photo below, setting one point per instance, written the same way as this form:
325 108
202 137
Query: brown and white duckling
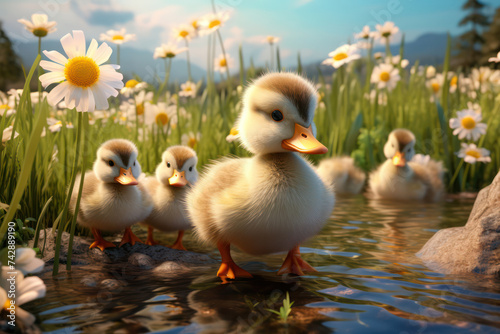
342 174
398 178
112 199
174 175
274 200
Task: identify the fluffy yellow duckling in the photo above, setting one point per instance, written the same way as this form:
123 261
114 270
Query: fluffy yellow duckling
342 174
174 175
398 178
112 199
273 201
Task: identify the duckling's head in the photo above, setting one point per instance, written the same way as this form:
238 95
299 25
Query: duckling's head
277 116
117 162
178 167
400 147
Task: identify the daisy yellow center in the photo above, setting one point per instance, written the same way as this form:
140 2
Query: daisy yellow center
468 123
184 33
194 24
4 106
435 87
161 118
385 76
223 62
131 83
82 71
339 56
473 153
453 81
40 32
117 38
188 89
233 132
139 109
192 142
213 23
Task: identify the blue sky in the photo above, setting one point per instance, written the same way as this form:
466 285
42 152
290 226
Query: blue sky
313 27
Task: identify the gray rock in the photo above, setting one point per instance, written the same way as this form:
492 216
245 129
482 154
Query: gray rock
112 284
170 268
473 248
140 260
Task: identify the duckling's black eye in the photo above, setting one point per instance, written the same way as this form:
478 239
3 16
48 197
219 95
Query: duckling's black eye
168 164
111 163
277 115
134 163
191 168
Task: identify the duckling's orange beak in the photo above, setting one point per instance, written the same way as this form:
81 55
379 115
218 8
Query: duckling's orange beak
178 179
126 178
303 141
399 159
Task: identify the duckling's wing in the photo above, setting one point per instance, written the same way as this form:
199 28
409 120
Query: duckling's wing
90 185
213 186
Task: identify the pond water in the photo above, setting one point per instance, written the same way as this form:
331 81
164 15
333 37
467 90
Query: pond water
369 281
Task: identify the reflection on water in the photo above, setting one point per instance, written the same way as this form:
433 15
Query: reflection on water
368 280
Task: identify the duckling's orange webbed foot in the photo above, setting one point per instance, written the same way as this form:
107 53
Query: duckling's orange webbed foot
178 242
150 240
229 269
99 241
294 264
129 237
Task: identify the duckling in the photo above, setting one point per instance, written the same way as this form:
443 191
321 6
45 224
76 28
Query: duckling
112 199
174 175
342 174
400 179
274 200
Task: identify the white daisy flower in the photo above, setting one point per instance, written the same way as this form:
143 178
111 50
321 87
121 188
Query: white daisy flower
7 105
396 60
271 39
27 289
453 82
190 139
39 25
188 89
430 72
378 55
233 135
117 36
387 30
27 262
160 114
467 125
435 84
212 22
365 33
480 78
222 64
82 79
495 59
342 55
133 86
385 76
184 32
380 100
167 51
195 23
7 134
472 154
495 78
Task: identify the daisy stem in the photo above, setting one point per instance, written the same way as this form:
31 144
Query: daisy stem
168 64
188 61
64 213
225 57
388 49
272 57
455 175
464 178
77 206
39 72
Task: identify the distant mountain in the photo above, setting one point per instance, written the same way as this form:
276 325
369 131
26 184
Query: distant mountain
133 61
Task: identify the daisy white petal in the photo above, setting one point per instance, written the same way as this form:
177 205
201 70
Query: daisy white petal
56 57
